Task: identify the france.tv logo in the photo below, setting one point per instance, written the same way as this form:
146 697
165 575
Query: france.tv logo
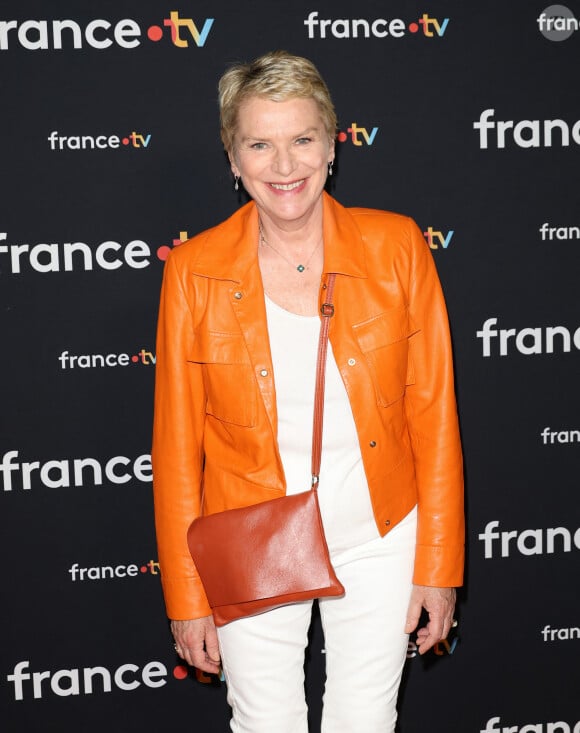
98 142
100 34
346 28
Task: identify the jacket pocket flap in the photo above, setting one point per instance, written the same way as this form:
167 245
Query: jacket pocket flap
216 347
384 329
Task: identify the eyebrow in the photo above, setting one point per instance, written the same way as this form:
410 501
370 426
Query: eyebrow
265 139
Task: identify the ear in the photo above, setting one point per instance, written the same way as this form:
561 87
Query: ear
331 150
234 168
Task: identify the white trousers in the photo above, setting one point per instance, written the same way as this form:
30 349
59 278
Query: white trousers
365 643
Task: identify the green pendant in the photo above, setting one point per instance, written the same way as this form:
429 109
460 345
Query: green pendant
300 268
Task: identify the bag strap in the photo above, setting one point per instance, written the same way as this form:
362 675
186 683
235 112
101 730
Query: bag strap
327 311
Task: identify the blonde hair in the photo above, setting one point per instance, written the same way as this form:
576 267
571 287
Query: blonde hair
277 76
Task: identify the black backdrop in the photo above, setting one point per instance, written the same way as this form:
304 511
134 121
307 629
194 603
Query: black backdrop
109 154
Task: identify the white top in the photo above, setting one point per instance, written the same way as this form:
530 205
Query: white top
343 492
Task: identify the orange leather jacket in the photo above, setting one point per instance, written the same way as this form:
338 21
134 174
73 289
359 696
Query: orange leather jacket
215 401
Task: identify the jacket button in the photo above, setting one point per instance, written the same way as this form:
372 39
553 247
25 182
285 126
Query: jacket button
388 522
373 443
263 372
351 361
238 295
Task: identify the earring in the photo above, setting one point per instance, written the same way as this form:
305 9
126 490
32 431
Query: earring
236 184
330 167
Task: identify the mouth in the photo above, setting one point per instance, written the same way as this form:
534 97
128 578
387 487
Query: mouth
287 186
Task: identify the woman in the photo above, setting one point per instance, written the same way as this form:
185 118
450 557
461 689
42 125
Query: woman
236 355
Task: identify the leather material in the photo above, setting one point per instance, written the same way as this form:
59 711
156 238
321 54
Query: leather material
215 402
326 311
267 555
260 557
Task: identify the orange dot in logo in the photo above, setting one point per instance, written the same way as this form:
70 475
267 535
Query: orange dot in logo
125 141
413 27
134 359
155 33
163 252
143 568
180 672
342 137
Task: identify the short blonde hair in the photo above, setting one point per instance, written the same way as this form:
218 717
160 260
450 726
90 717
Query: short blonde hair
277 76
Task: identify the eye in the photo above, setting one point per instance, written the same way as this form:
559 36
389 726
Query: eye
303 140
258 146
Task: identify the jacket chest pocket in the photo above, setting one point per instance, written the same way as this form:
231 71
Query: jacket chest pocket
384 341
227 376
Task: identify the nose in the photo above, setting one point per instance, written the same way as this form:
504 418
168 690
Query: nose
284 163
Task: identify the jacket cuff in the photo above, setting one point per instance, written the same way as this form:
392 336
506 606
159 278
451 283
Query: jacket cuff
185 598
439 567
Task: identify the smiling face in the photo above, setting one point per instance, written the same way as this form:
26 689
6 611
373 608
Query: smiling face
281 152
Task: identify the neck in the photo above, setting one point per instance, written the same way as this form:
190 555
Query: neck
293 236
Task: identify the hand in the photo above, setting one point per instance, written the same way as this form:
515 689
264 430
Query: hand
196 642
440 605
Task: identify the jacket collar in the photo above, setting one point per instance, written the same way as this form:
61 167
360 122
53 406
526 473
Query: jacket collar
230 249
344 249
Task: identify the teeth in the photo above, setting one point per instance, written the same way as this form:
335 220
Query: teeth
286 186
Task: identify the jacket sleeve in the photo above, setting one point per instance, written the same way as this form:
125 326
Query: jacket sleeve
177 453
433 427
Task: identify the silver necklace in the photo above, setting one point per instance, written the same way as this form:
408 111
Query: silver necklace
300 267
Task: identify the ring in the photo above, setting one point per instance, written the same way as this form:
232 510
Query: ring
454 623
175 647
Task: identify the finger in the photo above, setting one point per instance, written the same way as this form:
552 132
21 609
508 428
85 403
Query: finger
447 626
188 653
425 644
212 646
196 656
437 628
429 635
205 664
426 639
451 623
212 667
413 615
